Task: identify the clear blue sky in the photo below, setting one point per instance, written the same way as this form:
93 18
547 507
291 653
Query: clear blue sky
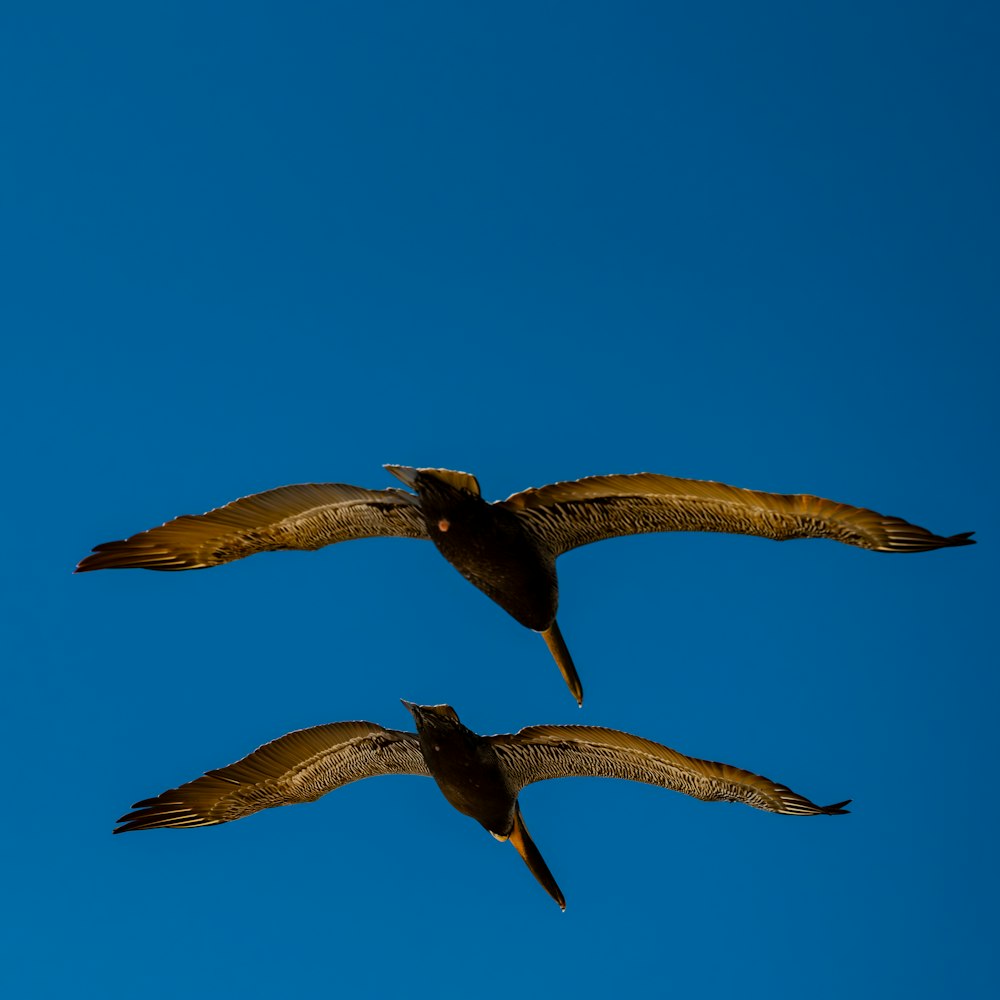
248 245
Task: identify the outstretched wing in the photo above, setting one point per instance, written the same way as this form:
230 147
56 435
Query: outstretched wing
541 752
307 516
563 516
298 767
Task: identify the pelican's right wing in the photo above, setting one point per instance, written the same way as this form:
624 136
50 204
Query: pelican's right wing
298 767
541 752
563 516
306 516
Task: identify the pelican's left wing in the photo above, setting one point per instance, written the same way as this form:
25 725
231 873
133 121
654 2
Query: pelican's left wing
305 516
298 767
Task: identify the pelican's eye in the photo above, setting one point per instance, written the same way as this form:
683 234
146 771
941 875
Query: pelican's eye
444 524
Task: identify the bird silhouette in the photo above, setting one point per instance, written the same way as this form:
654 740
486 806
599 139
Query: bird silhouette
508 548
481 776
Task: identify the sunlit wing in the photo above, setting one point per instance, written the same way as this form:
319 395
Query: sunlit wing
563 516
542 752
306 516
297 767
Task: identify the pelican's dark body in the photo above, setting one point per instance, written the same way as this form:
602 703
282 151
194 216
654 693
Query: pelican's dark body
489 546
465 767
472 778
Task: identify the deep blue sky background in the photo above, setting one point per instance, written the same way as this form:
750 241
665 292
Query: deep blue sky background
251 245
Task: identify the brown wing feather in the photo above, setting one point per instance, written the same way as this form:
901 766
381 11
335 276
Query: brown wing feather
298 767
542 752
306 516
563 516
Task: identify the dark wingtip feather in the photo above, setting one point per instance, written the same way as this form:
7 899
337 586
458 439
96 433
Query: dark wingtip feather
963 538
122 555
128 827
95 560
104 556
837 809
128 823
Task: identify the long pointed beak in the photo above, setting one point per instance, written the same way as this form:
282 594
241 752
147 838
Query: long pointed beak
532 857
557 647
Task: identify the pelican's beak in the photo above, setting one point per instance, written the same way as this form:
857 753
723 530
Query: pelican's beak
531 856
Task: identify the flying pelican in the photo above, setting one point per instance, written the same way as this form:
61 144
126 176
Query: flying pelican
481 776
508 548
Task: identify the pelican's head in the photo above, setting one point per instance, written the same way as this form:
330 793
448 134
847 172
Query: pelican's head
432 481
433 716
